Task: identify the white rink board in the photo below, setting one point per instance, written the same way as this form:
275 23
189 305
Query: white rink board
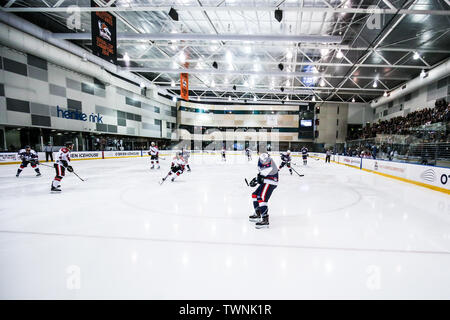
435 176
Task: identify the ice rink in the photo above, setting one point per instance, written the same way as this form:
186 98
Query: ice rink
335 233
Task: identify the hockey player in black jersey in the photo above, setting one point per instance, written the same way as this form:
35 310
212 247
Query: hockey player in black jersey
267 179
248 153
28 156
286 160
305 155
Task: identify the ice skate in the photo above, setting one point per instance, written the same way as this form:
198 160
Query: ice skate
256 217
55 189
264 223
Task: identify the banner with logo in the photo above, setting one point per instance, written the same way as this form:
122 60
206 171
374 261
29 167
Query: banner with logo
7 157
104 34
184 86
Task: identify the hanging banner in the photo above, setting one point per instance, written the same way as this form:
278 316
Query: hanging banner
184 86
104 35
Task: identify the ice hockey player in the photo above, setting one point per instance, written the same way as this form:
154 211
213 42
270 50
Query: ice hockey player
224 154
28 156
248 152
328 156
154 155
305 155
286 160
176 167
62 163
186 155
267 179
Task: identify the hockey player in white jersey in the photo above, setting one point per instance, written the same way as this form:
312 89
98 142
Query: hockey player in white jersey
28 156
286 160
186 155
62 163
267 179
154 155
176 167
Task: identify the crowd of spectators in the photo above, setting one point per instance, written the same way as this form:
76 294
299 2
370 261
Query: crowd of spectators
404 125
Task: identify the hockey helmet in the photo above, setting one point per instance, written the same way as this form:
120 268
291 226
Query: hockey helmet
264 158
69 144
288 152
153 144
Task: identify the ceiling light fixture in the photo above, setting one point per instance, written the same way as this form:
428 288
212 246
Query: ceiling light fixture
339 54
126 57
416 56
423 73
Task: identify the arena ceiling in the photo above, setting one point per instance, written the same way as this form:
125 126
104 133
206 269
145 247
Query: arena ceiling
330 50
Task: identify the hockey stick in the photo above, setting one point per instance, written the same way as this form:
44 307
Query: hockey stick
300 175
77 175
164 179
45 165
246 182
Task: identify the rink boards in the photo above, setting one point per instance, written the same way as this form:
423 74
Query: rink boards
436 178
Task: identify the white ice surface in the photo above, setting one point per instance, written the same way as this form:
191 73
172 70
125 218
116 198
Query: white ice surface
337 232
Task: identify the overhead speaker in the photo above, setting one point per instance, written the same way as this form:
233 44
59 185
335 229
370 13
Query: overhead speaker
173 14
234 87
282 89
280 66
215 66
279 15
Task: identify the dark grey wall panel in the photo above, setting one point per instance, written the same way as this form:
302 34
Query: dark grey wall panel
132 102
14 66
37 120
2 90
99 84
39 109
87 88
137 117
112 128
36 73
101 127
121 122
130 116
73 104
36 62
57 90
156 110
17 105
131 131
